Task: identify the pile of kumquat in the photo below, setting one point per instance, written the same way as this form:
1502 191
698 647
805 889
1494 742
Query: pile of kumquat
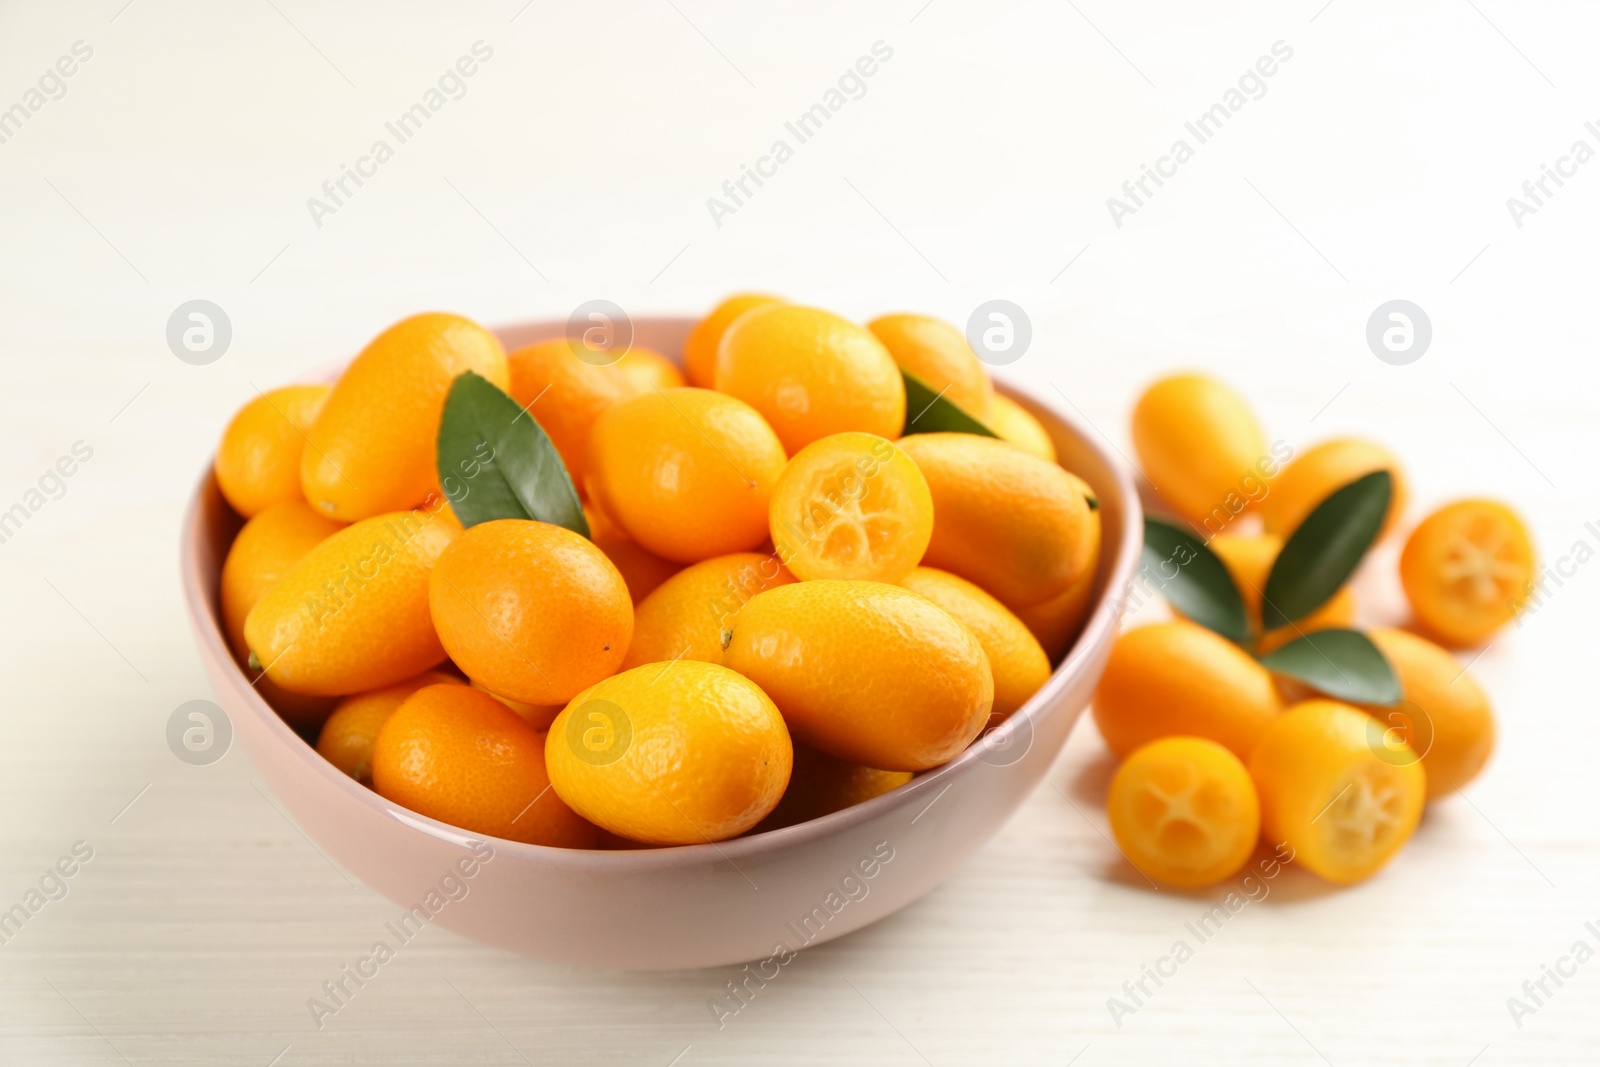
1261 713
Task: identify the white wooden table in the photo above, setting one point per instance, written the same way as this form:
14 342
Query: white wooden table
175 163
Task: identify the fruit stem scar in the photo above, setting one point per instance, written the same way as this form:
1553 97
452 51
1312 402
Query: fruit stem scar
254 661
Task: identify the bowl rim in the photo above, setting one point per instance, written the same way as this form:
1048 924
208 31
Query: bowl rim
205 617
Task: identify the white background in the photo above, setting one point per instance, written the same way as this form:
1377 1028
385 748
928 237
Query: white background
977 165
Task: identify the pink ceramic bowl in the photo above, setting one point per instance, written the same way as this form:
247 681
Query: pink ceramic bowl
694 906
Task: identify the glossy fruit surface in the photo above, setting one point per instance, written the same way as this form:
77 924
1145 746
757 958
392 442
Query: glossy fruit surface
258 461
371 449
1016 660
1184 811
648 370
685 618
810 374
1334 791
1249 559
263 552
1013 523
687 473
851 505
1176 679
347 738
1055 622
1443 714
457 755
538 716
937 353
821 785
1014 423
533 611
868 673
1467 570
642 569
675 756
565 387
352 614
1200 445
700 347
1311 477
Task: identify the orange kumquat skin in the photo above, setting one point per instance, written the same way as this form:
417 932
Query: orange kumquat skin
1055 622
671 754
1199 443
1179 679
641 569
460 756
258 461
352 613
268 546
939 355
700 347
1016 660
1311 477
1014 423
688 616
1011 523
789 601
866 672
1443 713
347 738
371 449
686 473
810 374
532 611
1341 791
565 388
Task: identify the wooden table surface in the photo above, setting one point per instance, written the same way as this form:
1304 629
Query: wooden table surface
176 163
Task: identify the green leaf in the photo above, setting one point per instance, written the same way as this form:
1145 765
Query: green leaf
1324 550
1344 664
1195 581
496 462
929 411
